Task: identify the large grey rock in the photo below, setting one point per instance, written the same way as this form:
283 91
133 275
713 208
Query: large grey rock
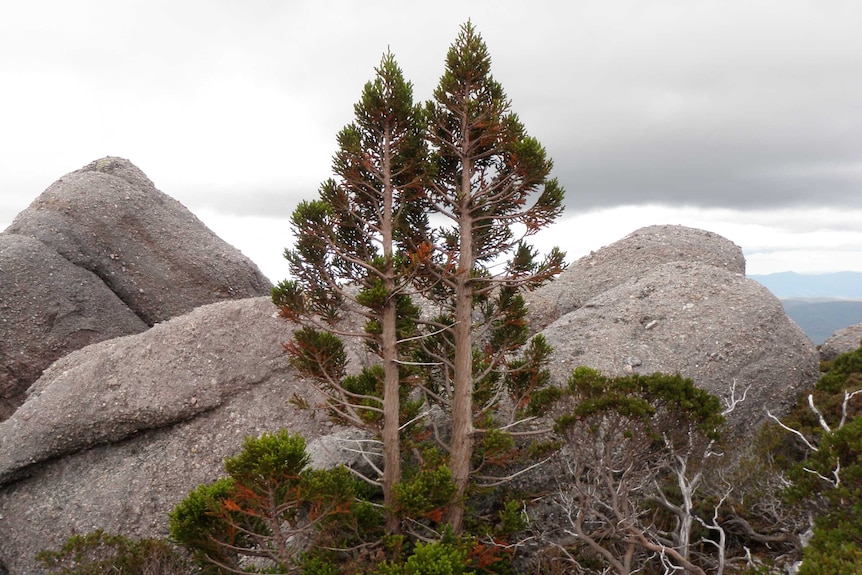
49 307
152 252
842 341
117 242
631 257
701 321
113 436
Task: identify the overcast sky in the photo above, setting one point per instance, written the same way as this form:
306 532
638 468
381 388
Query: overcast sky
740 117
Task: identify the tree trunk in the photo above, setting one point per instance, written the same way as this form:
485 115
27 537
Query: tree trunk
391 411
389 349
461 452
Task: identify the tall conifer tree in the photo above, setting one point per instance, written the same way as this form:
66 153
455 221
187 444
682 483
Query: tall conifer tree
353 244
370 229
491 181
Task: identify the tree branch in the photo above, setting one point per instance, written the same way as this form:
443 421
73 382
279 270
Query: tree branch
810 445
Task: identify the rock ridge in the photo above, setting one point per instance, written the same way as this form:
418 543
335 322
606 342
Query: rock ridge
724 331
632 256
112 436
128 249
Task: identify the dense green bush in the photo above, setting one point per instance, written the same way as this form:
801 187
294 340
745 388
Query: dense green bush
437 558
633 494
270 509
829 478
837 543
844 372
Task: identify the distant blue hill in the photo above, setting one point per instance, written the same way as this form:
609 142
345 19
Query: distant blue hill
821 318
847 285
820 304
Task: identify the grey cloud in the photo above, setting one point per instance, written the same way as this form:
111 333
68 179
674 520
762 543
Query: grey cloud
737 104
697 180
746 150
272 202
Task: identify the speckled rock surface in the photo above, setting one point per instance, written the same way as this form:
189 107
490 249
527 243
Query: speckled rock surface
48 308
631 257
152 252
117 241
704 322
842 341
114 435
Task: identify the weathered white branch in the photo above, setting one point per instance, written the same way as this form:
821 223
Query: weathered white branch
732 401
418 363
810 445
819 415
495 481
721 544
835 473
366 455
427 335
415 419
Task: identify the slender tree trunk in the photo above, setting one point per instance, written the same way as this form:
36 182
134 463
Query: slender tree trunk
391 439
389 348
461 452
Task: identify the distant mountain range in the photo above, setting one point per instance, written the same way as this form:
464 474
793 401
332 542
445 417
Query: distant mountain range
819 303
843 285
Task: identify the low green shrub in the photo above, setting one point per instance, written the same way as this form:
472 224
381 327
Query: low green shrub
100 553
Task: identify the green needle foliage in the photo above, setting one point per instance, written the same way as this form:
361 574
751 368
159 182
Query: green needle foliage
639 447
357 246
837 543
664 403
490 180
366 244
437 558
267 510
829 478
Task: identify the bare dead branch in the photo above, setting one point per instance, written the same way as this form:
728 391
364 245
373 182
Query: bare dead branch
820 418
732 401
835 473
795 432
497 481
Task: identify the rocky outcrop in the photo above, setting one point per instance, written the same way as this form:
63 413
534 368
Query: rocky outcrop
114 435
842 341
152 252
49 307
129 245
631 257
701 321
674 299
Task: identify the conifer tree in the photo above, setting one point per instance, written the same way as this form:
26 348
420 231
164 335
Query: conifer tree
352 251
370 229
491 182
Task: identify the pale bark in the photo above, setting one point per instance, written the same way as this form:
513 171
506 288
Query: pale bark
461 450
389 348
